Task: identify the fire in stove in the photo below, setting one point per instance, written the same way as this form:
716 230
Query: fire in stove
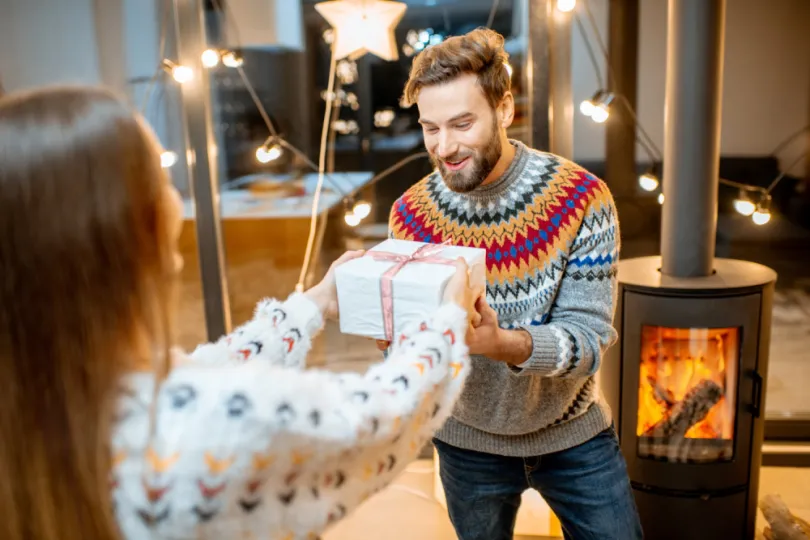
686 402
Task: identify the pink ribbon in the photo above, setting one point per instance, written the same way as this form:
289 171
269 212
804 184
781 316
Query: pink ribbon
425 254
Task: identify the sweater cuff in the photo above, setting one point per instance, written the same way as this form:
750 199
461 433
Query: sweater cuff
545 352
303 311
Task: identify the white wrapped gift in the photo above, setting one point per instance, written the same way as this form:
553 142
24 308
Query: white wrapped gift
405 280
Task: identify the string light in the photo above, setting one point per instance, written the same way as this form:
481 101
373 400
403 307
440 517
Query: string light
762 215
744 205
660 198
384 118
352 219
648 181
181 74
167 159
210 58
269 151
566 5
232 60
598 107
362 209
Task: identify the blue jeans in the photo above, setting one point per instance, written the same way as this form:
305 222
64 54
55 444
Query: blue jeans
587 487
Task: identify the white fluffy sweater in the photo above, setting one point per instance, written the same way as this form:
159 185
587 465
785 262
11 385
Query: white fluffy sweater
248 444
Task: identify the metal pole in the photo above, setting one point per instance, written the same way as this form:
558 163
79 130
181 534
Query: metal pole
692 136
538 74
561 91
189 18
620 143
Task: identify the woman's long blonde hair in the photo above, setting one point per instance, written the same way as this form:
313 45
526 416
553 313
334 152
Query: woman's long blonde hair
85 276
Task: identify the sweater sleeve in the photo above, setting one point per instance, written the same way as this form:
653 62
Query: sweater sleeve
279 334
243 450
580 325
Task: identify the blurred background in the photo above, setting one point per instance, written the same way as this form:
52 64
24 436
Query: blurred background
266 73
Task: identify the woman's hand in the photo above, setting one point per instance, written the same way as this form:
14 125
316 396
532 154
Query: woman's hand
324 294
459 292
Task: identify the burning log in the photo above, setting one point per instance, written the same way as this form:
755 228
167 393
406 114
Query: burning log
691 410
663 396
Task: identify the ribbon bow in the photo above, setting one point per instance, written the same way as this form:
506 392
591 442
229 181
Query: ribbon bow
425 254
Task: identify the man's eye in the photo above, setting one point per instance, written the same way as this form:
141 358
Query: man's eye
463 125
431 130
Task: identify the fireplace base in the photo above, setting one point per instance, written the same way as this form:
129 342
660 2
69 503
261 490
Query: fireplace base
686 383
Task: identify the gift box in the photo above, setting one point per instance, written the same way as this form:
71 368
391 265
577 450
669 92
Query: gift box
397 282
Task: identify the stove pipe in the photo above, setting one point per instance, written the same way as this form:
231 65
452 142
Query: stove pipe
692 136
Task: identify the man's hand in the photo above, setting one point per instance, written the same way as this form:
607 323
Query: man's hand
490 340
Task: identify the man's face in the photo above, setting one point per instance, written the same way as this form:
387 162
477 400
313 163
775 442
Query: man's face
461 132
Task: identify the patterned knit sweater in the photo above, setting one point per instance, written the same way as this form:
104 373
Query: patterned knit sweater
246 444
552 239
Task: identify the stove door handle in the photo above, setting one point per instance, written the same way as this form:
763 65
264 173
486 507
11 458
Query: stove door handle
756 406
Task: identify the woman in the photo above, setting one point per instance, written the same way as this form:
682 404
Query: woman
104 433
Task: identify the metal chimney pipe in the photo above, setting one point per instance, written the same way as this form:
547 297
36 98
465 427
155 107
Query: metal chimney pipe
694 84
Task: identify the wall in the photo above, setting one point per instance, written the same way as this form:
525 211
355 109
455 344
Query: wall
766 87
47 42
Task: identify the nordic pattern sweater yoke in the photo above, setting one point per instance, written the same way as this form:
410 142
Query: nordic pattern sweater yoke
552 239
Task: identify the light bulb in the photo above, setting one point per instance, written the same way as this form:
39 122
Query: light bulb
167 159
266 155
232 60
566 5
587 107
660 198
362 209
182 74
648 182
744 207
352 219
210 58
424 37
600 114
761 216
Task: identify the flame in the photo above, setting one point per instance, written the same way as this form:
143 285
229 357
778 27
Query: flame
673 360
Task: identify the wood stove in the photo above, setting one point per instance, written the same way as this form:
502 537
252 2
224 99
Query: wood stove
686 380
686 385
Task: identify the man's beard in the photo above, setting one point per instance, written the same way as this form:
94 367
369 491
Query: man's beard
474 173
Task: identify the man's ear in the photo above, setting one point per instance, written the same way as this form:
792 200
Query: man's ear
506 110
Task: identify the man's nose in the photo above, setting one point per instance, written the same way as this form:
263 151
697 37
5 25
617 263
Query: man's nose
445 146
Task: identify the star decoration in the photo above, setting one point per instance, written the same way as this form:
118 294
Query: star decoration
363 26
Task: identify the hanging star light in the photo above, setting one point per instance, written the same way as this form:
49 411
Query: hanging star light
363 26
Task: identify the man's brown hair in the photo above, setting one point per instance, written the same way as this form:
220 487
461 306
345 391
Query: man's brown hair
479 52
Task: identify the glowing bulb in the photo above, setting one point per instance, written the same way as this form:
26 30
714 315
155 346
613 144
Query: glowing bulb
232 60
761 216
424 37
587 107
167 159
648 182
352 219
566 5
744 207
266 155
362 209
660 198
210 58
182 74
600 114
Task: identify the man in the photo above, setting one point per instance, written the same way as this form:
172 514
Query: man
531 414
